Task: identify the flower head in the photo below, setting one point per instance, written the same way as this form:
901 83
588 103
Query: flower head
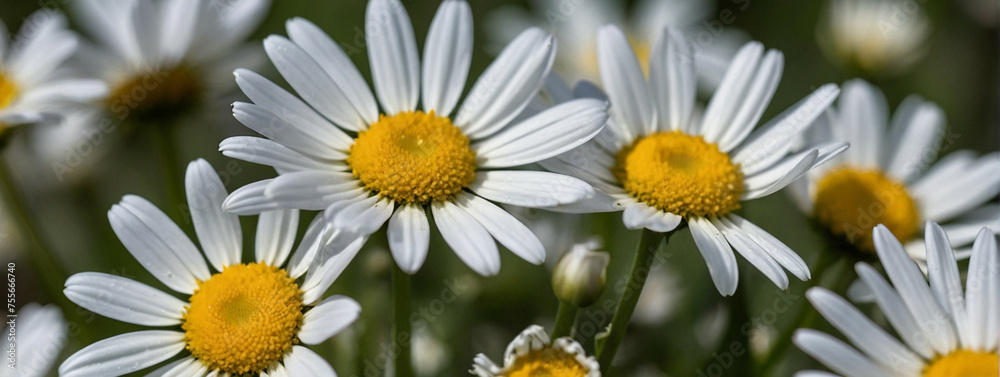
367 163
880 37
579 277
533 354
243 318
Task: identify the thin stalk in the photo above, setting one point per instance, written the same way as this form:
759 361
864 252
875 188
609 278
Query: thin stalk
644 255
565 318
401 333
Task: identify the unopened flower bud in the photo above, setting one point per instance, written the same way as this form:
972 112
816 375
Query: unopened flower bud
579 276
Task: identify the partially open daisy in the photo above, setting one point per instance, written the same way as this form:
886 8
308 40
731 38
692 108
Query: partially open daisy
40 336
336 151
34 81
662 168
164 58
945 332
531 354
887 178
242 319
574 26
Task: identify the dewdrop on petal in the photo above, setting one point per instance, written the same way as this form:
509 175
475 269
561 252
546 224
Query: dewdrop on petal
580 275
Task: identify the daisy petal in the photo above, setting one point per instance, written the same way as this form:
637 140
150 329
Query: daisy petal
622 78
333 258
752 252
864 113
158 244
329 318
470 240
507 230
942 271
219 232
729 95
392 51
447 55
507 85
550 133
185 367
532 189
338 66
672 82
250 199
124 299
895 310
124 354
778 176
983 296
717 253
314 189
362 216
916 132
315 86
276 232
639 215
285 133
781 253
267 152
302 118
909 282
304 362
836 355
884 349
409 237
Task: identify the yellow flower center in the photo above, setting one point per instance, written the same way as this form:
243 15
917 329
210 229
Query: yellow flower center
244 318
680 174
8 90
964 364
546 362
850 202
156 95
413 157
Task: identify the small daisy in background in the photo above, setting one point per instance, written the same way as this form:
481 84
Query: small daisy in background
887 177
244 318
336 151
164 59
876 37
41 334
532 353
574 24
35 84
663 169
945 331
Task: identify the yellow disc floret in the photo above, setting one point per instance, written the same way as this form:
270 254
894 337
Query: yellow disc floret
965 364
680 174
547 362
150 97
413 157
243 319
8 90
849 202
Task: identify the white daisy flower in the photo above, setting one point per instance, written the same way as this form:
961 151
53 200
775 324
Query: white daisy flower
945 332
662 168
243 318
532 354
882 37
34 81
40 336
574 25
337 152
887 178
163 58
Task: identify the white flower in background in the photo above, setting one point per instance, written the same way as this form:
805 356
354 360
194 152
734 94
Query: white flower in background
887 176
164 58
882 37
34 81
406 160
244 318
575 25
532 354
41 335
945 331
662 168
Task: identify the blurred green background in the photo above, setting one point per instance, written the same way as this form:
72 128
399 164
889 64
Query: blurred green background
959 73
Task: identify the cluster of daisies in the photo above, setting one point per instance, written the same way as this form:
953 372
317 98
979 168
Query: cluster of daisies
414 151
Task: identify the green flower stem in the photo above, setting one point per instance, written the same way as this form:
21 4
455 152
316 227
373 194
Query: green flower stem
565 318
401 332
644 255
